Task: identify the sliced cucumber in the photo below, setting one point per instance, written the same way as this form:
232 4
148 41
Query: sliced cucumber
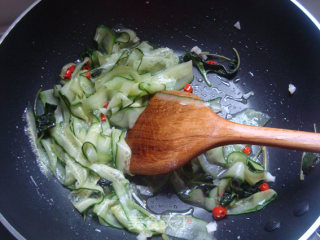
253 203
105 38
216 156
175 77
237 157
126 117
103 211
236 172
84 199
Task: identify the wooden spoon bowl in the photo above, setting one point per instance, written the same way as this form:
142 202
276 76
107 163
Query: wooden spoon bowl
178 126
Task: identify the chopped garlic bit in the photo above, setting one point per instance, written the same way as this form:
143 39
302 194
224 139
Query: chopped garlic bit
292 88
237 25
196 50
247 95
211 227
269 177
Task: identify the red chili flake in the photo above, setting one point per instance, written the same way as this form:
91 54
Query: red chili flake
219 212
106 105
247 150
103 118
188 88
88 75
264 187
68 72
212 62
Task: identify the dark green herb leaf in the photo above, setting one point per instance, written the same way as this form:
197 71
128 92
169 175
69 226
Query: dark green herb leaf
46 120
227 198
204 67
244 190
308 161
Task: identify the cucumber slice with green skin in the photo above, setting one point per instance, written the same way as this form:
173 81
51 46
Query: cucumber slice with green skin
115 136
89 146
222 186
124 71
255 202
120 215
197 196
175 77
79 128
135 58
63 136
95 101
104 151
186 227
80 173
123 154
46 144
86 85
103 211
127 211
236 172
212 201
255 166
212 169
83 199
216 156
228 149
126 35
157 60
237 157
48 97
151 88
126 117
105 38
253 177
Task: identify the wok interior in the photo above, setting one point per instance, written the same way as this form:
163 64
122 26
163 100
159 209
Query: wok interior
277 45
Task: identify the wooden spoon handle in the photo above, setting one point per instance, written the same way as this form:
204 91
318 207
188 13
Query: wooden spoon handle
306 141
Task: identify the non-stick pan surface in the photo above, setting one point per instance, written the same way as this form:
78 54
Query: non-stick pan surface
278 45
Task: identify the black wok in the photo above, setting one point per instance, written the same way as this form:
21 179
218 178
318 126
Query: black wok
277 43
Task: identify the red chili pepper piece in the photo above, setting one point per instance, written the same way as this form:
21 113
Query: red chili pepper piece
219 212
106 105
88 75
264 187
212 62
188 88
86 66
68 72
247 150
103 118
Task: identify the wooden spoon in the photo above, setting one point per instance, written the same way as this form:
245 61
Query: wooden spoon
178 126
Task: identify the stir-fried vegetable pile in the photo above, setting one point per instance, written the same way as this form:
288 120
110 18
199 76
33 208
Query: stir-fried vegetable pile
81 126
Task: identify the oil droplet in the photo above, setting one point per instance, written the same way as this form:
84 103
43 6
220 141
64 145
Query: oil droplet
301 208
272 225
